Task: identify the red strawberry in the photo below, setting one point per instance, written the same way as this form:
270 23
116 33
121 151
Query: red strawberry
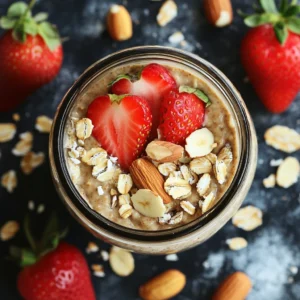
154 82
30 54
61 274
181 113
271 55
121 125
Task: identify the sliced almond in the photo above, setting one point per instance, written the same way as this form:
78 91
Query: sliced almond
31 161
236 243
43 124
125 211
166 168
164 151
9 230
188 207
94 156
288 172
167 13
220 170
24 145
177 188
203 184
84 128
200 143
248 218
270 181
7 132
124 183
9 180
121 261
148 204
283 138
188 175
201 165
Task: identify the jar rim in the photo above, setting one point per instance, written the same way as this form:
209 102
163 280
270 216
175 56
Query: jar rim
59 167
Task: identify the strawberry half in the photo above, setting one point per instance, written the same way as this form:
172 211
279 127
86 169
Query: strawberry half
181 113
121 125
154 82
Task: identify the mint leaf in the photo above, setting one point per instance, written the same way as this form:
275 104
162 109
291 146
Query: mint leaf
293 25
17 9
269 6
7 23
201 95
30 27
40 17
119 77
281 32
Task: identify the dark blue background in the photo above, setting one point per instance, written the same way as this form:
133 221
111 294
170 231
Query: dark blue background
272 248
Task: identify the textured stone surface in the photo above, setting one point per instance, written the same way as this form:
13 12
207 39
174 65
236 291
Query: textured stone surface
273 248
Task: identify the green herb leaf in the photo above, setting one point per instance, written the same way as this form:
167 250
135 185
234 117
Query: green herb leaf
7 23
269 6
201 95
281 32
40 17
292 11
284 4
119 77
17 9
293 24
30 27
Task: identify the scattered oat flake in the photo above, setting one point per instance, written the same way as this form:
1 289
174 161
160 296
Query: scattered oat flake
188 207
40 209
9 230
7 132
270 181
176 38
283 138
248 218
98 270
167 13
31 161
105 255
9 180
288 172
31 205
43 124
172 257
275 162
236 243
24 145
91 248
84 128
16 117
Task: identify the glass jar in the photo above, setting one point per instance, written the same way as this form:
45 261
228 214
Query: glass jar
187 235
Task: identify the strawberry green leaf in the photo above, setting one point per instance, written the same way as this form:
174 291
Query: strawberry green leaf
292 11
293 25
19 34
284 4
281 32
17 9
40 17
201 95
7 23
257 20
30 27
116 98
49 34
119 77
269 6
29 235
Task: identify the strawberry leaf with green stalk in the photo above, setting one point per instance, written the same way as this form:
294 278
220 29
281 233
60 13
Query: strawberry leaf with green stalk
283 19
20 20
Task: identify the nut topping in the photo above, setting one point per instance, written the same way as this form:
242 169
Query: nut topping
167 13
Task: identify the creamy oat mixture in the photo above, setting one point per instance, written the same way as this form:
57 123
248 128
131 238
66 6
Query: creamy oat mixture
104 197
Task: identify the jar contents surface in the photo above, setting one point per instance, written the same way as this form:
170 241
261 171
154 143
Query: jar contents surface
153 149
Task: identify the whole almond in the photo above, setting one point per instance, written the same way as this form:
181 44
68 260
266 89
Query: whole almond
164 286
218 12
145 176
119 23
161 151
235 287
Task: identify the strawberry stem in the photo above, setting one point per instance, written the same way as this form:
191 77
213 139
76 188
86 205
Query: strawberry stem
29 235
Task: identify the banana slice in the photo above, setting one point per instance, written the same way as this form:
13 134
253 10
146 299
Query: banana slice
148 204
200 143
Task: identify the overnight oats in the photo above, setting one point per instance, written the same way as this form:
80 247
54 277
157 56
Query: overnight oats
151 146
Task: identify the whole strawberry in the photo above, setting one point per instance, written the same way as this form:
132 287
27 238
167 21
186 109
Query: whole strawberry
30 54
60 272
270 53
181 113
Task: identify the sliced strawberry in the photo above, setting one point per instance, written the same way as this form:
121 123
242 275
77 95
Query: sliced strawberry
121 125
181 113
154 82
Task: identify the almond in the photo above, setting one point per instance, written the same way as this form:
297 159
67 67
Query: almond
161 151
218 12
235 287
145 176
119 23
164 286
